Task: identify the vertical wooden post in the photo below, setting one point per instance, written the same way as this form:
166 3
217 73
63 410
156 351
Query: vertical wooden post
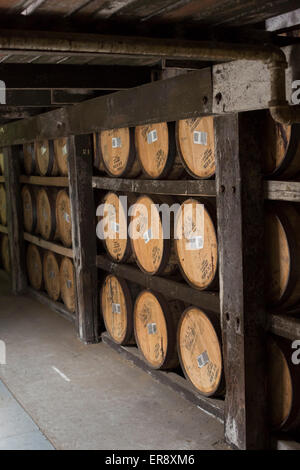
84 236
15 219
240 230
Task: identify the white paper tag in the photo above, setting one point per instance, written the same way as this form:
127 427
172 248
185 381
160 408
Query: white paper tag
52 274
152 136
115 227
147 236
45 214
203 359
200 138
65 149
69 284
152 328
195 243
67 217
116 142
43 150
116 308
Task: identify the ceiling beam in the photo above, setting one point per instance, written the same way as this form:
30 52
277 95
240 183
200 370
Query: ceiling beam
73 76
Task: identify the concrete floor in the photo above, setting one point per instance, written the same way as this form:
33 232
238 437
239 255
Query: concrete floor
88 397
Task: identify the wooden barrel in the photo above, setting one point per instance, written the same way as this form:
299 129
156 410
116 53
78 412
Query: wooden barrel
29 209
51 274
117 299
115 223
5 254
195 140
34 263
1 163
196 243
152 249
45 158
117 152
3 212
63 217
155 326
46 216
156 150
283 386
61 153
29 159
200 351
97 156
67 283
282 254
281 148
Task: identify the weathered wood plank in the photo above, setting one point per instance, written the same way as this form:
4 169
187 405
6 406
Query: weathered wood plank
284 325
282 190
179 188
59 249
245 85
60 181
181 97
240 236
14 219
3 229
84 236
176 290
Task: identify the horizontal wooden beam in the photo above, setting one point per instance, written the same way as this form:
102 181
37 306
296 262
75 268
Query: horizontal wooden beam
178 188
282 190
245 85
284 325
61 181
59 249
174 289
3 229
8 113
49 97
185 96
37 76
284 22
56 306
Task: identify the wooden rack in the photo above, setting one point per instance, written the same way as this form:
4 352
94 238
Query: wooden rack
240 192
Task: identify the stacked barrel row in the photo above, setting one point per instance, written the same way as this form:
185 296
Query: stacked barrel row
166 331
169 333
193 245
176 150
4 241
46 157
47 214
52 273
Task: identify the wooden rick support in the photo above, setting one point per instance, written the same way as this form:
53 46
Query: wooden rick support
240 192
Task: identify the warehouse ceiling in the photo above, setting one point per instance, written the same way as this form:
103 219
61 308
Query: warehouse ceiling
39 81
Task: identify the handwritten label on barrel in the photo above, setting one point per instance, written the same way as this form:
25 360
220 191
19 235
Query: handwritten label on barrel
69 283
200 137
152 136
152 328
116 308
195 243
116 142
52 275
203 359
